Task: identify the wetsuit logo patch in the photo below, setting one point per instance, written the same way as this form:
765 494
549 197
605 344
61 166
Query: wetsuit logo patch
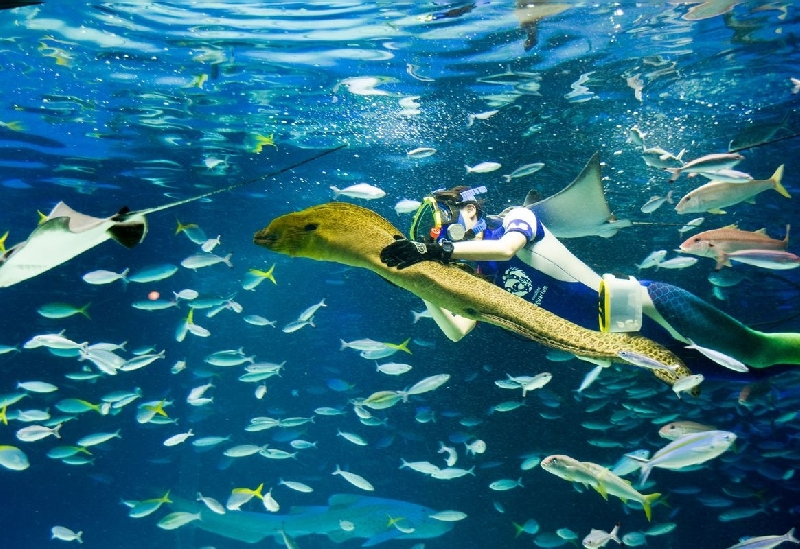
517 282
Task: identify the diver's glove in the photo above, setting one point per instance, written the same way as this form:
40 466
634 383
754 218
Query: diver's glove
403 253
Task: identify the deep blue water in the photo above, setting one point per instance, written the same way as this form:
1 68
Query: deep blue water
111 105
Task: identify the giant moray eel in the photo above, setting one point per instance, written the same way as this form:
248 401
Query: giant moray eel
352 235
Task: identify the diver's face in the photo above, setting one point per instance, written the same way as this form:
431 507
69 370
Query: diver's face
469 214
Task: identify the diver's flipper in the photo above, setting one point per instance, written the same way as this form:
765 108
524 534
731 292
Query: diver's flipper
580 209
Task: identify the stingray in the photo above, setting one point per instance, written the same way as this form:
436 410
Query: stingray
66 233
580 209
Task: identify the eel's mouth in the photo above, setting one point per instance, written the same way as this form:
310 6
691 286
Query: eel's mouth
265 238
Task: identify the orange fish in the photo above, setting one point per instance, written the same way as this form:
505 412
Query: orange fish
717 243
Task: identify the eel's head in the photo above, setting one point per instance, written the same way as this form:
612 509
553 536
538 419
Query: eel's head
337 231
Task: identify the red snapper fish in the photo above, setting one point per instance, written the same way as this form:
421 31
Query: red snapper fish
718 243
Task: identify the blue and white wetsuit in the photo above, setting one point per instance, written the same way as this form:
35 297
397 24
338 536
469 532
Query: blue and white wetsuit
547 274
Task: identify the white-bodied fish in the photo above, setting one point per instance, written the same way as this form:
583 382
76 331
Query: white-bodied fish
153 273
358 440
714 196
296 325
597 477
356 480
729 176
407 206
65 534
599 538
209 245
656 202
212 504
522 171
506 484
228 358
33 433
105 277
653 259
643 361
177 519
97 438
209 442
421 152
483 167
257 320
679 262
270 504
206 259
244 450
686 384
308 313
13 458
296 486
448 516
685 451
486 115
776 260
186 294
153 304
720 358
677 429
180 438
707 164
765 542
425 385
393 368
691 225
52 341
657 157
36 386
364 191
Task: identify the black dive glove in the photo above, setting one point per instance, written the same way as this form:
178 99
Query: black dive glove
403 253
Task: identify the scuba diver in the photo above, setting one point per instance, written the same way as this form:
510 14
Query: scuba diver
518 253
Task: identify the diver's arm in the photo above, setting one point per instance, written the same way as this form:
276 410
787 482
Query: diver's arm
490 250
454 327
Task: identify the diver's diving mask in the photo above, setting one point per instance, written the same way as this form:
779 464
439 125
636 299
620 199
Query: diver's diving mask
434 216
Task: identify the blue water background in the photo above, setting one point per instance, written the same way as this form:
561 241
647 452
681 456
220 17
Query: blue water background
112 87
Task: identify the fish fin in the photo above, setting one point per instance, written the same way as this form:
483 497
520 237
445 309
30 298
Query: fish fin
585 194
676 173
762 231
404 346
776 182
129 233
717 211
532 198
647 504
601 489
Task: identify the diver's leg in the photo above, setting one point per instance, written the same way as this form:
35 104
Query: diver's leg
687 317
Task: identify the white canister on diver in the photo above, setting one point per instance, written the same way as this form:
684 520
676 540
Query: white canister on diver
620 304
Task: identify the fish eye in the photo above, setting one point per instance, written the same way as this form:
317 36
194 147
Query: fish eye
310 227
